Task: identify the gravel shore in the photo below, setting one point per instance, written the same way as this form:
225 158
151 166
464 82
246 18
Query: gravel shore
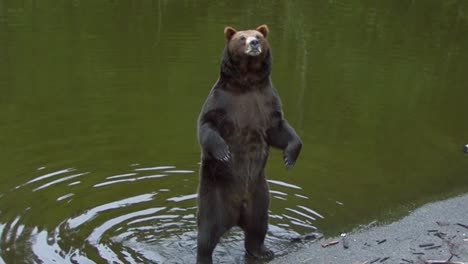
435 231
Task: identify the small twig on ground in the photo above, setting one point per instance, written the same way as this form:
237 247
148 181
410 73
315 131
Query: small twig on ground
462 225
331 243
433 247
384 259
381 241
444 262
426 245
440 235
439 223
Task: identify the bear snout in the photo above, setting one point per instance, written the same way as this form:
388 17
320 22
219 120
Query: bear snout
254 43
253 46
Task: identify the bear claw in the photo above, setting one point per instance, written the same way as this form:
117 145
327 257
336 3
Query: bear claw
288 163
226 156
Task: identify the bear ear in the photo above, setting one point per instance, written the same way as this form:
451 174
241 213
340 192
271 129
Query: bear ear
264 30
229 32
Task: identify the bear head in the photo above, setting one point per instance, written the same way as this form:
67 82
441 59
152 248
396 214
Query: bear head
247 43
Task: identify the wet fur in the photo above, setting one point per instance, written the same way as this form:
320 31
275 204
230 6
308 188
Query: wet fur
240 120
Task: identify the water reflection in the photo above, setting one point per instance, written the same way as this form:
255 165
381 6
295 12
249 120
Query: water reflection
130 229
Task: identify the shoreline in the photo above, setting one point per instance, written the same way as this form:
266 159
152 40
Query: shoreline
434 231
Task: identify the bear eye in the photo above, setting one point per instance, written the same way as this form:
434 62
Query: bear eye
258 36
242 38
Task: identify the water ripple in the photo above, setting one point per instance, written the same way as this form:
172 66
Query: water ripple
284 184
153 224
97 233
182 198
50 175
155 168
59 181
90 214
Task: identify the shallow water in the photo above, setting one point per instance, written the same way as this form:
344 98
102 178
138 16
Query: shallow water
99 101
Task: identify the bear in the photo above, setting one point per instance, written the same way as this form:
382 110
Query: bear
239 121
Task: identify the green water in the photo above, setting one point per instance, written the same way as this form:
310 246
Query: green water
99 101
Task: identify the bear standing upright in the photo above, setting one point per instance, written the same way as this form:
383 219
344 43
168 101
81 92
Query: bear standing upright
239 121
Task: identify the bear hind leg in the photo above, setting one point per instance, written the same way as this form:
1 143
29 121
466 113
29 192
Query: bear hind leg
254 243
254 222
208 237
214 218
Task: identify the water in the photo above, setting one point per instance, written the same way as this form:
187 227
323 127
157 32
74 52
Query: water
99 101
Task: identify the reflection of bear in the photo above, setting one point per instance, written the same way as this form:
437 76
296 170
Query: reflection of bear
240 120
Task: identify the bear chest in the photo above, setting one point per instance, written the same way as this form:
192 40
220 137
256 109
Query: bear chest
248 114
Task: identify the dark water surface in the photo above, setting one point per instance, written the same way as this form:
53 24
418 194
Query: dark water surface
99 101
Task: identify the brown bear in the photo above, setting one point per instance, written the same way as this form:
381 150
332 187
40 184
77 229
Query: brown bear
241 118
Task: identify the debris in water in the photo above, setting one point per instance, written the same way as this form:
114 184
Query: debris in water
311 236
296 239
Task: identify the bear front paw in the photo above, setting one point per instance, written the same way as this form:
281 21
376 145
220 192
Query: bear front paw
222 153
288 162
291 153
